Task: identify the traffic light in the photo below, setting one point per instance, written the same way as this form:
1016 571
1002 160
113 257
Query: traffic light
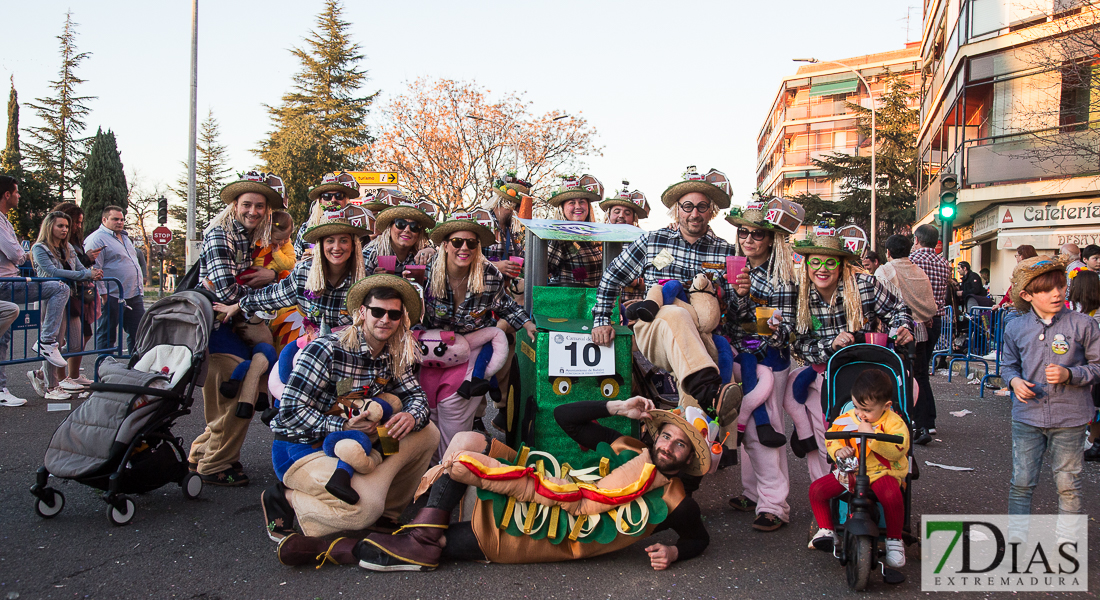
162 210
949 194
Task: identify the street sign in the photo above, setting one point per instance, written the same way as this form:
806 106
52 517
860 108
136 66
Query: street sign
162 235
372 178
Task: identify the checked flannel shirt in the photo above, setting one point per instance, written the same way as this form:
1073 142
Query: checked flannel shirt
327 307
225 254
707 255
322 366
938 272
565 257
370 260
508 243
476 311
742 311
829 320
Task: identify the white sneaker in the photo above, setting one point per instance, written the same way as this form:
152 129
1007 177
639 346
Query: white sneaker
58 394
37 383
932 431
9 399
71 385
82 380
50 353
824 540
895 553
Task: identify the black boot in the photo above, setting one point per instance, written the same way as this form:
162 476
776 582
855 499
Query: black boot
473 387
646 310
769 437
339 485
230 388
802 447
244 410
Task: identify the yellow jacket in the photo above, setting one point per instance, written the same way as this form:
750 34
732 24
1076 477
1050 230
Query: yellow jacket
280 259
882 458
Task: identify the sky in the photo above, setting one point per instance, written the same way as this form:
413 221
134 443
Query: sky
665 84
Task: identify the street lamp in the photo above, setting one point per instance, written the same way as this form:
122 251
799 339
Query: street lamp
874 181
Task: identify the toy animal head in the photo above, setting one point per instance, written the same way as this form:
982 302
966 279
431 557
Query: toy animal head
705 302
442 348
356 403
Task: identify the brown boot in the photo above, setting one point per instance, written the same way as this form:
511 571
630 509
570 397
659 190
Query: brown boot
728 404
298 550
414 547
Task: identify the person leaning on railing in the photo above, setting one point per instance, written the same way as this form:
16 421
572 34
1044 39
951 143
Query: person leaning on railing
86 259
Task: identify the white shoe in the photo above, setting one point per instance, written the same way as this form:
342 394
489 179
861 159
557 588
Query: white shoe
932 431
71 385
895 553
37 383
82 380
58 394
824 540
9 399
50 353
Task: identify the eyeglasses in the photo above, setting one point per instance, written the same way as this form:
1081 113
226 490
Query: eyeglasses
376 312
412 226
830 264
329 196
457 242
702 207
758 234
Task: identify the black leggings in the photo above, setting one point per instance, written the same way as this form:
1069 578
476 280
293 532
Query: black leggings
462 543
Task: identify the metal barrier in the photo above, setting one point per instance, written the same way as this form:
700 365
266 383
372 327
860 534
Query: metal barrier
947 334
29 320
983 343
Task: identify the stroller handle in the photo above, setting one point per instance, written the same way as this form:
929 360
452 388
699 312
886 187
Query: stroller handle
847 435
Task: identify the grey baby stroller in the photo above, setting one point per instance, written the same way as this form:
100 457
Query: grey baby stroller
120 439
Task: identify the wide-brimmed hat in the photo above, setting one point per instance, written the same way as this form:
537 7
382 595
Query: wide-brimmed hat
714 185
336 182
332 226
271 186
585 187
701 429
409 298
634 200
1028 269
477 222
511 188
825 240
418 212
384 199
751 215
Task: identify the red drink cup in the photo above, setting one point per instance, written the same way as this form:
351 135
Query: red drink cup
734 266
516 259
389 263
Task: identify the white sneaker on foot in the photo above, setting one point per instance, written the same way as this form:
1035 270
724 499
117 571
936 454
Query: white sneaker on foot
9 399
895 553
82 380
50 353
37 383
824 540
58 394
71 385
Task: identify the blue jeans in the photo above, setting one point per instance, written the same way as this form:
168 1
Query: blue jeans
106 327
1066 446
54 296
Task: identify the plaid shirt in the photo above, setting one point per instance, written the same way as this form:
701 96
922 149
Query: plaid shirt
311 390
741 320
509 243
370 260
938 272
708 254
476 311
300 245
224 255
564 257
327 307
815 347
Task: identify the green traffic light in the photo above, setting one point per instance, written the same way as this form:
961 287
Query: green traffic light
947 212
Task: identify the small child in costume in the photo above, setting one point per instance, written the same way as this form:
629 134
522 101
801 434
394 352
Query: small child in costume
279 255
887 464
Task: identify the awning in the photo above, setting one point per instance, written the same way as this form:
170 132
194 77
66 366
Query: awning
804 174
978 240
1048 238
836 87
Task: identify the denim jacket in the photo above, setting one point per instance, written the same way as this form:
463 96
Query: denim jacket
47 264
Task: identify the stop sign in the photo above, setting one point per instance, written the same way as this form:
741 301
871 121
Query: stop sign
162 235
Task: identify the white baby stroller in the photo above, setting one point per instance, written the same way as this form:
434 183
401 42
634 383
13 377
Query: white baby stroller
120 439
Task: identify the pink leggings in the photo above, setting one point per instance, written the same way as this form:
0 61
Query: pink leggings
886 489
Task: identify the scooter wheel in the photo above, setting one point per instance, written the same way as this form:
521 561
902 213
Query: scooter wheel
191 485
121 516
49 510
860 551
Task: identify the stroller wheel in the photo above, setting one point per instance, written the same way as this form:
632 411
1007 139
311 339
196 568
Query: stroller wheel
192 485
124 516
49 510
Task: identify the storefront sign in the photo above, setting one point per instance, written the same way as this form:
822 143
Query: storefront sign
1048 240
1043 215
986 221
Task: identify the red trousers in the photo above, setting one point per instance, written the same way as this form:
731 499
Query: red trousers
886 489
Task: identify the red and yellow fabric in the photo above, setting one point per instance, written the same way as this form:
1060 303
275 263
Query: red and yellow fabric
882 458
280 259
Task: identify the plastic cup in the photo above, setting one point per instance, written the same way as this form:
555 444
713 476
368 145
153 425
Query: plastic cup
416 270
389 263
390 446
763 313
516 259
878 339
734 266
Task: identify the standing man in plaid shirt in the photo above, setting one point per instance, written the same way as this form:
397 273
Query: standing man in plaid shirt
375 356
938 272
668 336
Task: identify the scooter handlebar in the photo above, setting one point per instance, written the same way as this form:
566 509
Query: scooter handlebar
847 435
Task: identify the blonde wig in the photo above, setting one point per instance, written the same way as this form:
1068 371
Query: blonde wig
383 244
475 279
224 219
402 348
495 201
781 270
317 280
853 307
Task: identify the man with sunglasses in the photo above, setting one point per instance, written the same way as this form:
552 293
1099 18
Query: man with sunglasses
667 336
366 360
332 195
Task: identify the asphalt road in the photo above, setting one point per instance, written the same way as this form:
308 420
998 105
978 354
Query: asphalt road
216 547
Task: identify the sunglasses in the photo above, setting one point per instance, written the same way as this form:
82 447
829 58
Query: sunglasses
829 264
758 235
376 312
457 242
412 226
702 207
329 196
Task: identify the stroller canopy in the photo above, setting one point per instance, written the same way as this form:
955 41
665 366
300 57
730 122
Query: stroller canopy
182 319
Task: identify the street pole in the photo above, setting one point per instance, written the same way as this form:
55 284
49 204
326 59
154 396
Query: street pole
874 145
192 244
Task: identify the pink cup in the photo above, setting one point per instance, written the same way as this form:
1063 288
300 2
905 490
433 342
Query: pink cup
878 339
734 266
389 263
415 270
516 259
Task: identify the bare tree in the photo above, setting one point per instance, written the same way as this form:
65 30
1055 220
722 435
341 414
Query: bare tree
143 208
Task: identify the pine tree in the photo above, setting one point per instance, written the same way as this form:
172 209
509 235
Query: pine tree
211 174
895 165
11 161
320 126
58 151
104 181
35 199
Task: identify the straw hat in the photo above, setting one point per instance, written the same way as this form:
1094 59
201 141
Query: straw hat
384 199
475 222
585 187
1027 270
699 428
634 200
752 215
714 185
826 241
332 226
409 298
271 186
409 212
336 182
511 188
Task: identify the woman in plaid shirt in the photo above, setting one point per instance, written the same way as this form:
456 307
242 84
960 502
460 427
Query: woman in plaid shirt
576 262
